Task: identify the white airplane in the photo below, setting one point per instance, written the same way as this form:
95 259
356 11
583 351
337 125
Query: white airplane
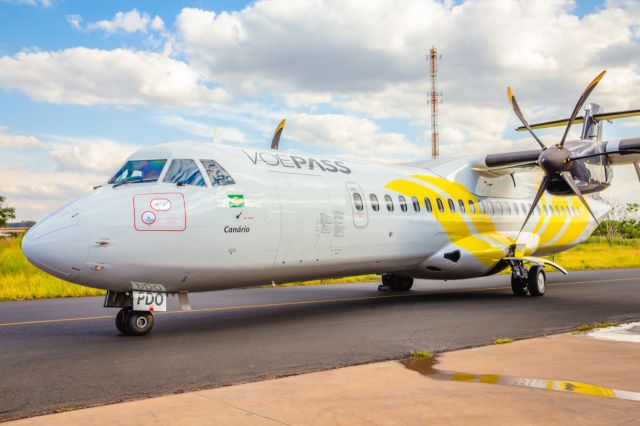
189 217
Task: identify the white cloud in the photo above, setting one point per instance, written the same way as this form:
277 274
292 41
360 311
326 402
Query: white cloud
43 3
129 22
79 155
14 141
371 58
118 77
75 21
349 134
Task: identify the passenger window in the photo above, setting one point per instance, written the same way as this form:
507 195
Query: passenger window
557 211
499 209
184 172
217 174
524 208
507 208
440 205
389 202
452 206
357 201
403 203
472 207
482 208
374 202
515 209
461 204
416 204
538 209
427 203
571 211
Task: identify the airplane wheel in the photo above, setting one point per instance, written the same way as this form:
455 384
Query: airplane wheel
518 285
397 282
120 317
138 323
537 282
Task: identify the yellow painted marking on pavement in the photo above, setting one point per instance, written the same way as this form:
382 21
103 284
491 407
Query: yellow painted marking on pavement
314 302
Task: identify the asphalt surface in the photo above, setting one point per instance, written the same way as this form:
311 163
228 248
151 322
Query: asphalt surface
66 353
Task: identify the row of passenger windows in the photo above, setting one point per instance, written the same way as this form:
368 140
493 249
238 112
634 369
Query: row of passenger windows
485 206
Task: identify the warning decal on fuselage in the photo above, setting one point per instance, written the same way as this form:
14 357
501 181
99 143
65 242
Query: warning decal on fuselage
159 212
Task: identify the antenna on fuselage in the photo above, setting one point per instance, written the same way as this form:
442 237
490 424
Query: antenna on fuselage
217 135
275 142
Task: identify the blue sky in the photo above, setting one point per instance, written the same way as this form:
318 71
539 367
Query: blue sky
83 84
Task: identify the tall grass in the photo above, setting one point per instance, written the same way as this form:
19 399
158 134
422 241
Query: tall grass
19 280
594 254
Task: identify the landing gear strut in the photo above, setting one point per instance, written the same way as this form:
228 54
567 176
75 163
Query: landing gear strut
134 323
392 282
523 282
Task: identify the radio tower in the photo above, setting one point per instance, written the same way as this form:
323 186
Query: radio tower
434 100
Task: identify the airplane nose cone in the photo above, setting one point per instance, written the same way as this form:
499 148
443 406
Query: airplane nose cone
58 245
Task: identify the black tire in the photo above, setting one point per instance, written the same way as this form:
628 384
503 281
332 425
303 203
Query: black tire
397 282
518 286
138 323
537 282
120 318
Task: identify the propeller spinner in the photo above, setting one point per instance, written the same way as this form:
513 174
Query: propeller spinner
556 161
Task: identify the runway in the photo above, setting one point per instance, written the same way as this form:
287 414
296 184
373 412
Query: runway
66 353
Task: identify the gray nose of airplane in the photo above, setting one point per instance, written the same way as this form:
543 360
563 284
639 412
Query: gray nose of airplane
58 244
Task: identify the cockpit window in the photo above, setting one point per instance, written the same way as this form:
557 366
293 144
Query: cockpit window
217 173
184 172
139 171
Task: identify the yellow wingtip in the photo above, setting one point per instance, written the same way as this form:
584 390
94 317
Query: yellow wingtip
598 78
510 94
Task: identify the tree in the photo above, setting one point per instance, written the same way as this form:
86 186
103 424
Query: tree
6 213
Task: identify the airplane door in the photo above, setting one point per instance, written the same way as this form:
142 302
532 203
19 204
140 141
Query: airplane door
358 205
306 218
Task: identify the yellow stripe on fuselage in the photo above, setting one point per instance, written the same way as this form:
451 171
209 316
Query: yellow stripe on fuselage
454 225
477 232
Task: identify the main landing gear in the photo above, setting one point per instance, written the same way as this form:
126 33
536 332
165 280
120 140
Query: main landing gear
134 323
396 283
523 282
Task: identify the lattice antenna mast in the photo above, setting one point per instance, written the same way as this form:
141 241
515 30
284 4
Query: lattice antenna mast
434 99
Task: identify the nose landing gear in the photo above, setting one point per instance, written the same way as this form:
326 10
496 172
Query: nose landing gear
134 323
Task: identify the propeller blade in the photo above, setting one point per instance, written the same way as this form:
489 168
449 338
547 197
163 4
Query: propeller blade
516 109
541 189
566 175
581 101
604 153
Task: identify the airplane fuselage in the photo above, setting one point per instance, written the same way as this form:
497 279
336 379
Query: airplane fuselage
289 217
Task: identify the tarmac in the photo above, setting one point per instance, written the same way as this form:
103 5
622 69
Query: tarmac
580 378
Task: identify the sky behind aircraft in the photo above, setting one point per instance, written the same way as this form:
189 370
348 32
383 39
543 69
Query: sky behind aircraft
84 84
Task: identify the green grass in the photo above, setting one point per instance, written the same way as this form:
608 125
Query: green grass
503 340
421 355
595 254
19 280
589 327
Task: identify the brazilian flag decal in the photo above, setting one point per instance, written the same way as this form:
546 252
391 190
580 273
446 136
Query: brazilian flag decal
236 200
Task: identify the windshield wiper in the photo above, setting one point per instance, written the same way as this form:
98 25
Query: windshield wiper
125 182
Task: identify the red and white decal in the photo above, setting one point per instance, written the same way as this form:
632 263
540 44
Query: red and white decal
168 212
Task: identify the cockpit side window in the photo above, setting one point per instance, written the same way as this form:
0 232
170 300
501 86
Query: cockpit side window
217 173
184 172
139 171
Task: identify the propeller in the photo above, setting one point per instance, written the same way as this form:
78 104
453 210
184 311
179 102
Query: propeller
556 161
